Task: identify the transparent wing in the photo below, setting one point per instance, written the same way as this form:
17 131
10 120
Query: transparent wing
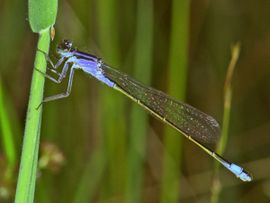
183 117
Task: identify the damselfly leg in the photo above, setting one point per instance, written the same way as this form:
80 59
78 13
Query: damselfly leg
69 86
67 65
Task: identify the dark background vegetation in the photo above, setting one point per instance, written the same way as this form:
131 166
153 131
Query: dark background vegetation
86 138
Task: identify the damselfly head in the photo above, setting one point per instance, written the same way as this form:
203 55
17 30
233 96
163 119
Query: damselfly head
65 47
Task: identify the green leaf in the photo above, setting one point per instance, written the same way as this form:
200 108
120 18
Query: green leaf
42 14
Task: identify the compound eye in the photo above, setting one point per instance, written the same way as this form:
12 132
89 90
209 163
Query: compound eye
66 45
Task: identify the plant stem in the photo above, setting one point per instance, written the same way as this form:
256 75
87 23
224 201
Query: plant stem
216 185
6 130
28 166
177 88
139 118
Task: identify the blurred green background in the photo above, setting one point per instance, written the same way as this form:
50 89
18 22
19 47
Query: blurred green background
97 145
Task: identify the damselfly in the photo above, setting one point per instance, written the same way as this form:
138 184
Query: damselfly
195 125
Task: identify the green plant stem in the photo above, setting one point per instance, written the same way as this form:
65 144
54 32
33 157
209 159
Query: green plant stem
28 166
216 185
6 131
139 119
113 117
176 88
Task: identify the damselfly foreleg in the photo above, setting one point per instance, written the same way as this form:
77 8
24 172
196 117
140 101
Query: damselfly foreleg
61 75
53 67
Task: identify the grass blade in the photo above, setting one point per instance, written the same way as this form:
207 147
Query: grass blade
113 121
216 185
177 85
138 127
6 131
